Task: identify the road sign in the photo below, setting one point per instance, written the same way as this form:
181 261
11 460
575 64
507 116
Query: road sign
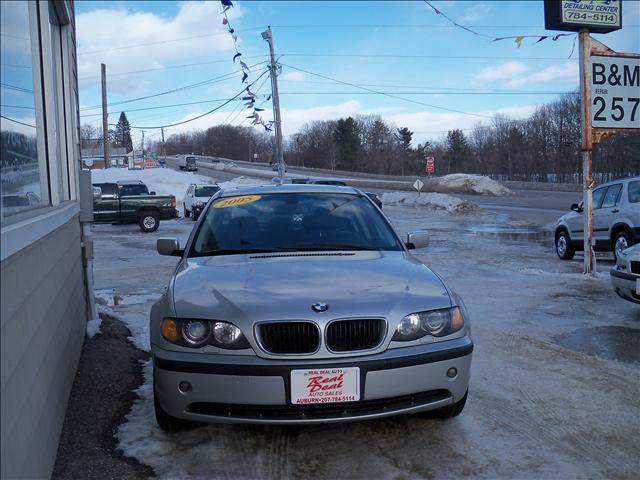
599 16
418 184
430 166
615 92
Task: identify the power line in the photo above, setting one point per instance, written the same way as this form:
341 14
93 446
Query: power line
167 67
389 94
426 93
443 57
206 113
210 81
401 25
159 42
17 121
17 106
15 87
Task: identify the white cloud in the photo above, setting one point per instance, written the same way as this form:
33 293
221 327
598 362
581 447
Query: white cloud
293 77
517 74
567 73
475 13
504 72
127 27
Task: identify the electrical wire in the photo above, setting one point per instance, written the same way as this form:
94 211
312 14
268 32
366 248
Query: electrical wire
398 57
206 113
422 93
15 87
389 94
17 121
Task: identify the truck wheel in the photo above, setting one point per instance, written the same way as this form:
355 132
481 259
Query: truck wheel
149 222
564 250
187 213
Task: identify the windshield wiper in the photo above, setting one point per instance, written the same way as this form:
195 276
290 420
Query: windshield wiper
328 246
237 251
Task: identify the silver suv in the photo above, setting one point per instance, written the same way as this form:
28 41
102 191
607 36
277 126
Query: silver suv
616 220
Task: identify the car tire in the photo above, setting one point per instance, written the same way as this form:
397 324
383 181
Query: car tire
449 411
149 222
187 213
564 249
196 216
181 167
621 242
166 422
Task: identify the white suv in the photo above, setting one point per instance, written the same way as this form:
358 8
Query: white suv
196 197
616 220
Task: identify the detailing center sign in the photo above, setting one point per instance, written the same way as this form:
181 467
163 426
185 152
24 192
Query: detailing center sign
615 92
599 16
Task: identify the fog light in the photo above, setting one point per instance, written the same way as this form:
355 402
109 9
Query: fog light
184 387
452 372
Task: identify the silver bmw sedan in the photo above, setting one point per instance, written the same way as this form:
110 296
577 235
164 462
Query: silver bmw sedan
300 304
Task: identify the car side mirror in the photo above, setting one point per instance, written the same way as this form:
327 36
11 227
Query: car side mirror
152 193
97 193
169 246
576 207
417 240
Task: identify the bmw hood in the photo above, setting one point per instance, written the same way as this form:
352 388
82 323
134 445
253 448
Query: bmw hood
248 288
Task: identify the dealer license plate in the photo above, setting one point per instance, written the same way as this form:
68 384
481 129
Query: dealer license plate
325 385
637 286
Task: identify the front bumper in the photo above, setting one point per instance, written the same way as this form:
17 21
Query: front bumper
249 389
624 284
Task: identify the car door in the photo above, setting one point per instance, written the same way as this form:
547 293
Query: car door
106 209
130 201
576 222
605 215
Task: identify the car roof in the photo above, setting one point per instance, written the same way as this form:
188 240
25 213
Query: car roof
205 185
285 188
129 182
618 180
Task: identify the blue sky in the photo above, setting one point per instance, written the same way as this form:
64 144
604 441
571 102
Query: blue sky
403 48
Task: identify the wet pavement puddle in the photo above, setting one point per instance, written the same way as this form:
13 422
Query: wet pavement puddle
611 342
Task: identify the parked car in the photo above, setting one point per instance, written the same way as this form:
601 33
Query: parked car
616 220
300 304
16 202
373 196
131 202
188 162
196 198
625 275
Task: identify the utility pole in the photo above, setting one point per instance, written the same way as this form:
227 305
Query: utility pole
105 121
142 145
587 147
276 103
164 150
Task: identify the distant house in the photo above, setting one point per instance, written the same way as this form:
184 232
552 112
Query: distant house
93 158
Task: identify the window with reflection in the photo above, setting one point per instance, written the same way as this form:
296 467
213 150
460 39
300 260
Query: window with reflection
22 184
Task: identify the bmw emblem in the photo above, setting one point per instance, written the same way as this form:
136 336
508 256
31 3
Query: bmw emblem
320 307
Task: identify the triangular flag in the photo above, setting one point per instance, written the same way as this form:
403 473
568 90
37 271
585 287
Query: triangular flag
519 40
231 30
226 3
236 56
542 38
259 109
556 37
244 65
244 77
225 21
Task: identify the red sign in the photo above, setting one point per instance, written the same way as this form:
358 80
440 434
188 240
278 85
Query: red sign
430 165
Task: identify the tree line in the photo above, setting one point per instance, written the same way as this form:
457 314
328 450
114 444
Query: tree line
543 147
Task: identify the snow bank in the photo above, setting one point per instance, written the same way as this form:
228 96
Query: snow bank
434 201
93 327
474 184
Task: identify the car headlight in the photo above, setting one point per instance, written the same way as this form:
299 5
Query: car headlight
437 323
197 333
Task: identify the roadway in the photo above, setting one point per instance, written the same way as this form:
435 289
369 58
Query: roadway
534 206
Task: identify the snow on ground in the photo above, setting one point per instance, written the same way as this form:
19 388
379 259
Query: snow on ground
535 410
467 183
93 327
165 181
433 201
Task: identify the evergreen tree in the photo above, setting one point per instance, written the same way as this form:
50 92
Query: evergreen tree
347 138
458 150
123 133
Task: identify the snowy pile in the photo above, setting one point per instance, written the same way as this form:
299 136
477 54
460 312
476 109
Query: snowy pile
434 201
473 184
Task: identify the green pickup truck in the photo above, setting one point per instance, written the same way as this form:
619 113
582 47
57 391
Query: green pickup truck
131 202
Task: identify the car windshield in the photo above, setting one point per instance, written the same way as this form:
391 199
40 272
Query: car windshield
206 191
292 222
129 190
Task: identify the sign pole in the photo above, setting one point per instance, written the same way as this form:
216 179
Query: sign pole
587 147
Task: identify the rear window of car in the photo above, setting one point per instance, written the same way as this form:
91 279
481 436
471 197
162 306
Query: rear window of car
190 159
634 191
292 222
207 191
127 190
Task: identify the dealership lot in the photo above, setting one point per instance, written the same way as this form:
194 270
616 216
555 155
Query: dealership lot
553 389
